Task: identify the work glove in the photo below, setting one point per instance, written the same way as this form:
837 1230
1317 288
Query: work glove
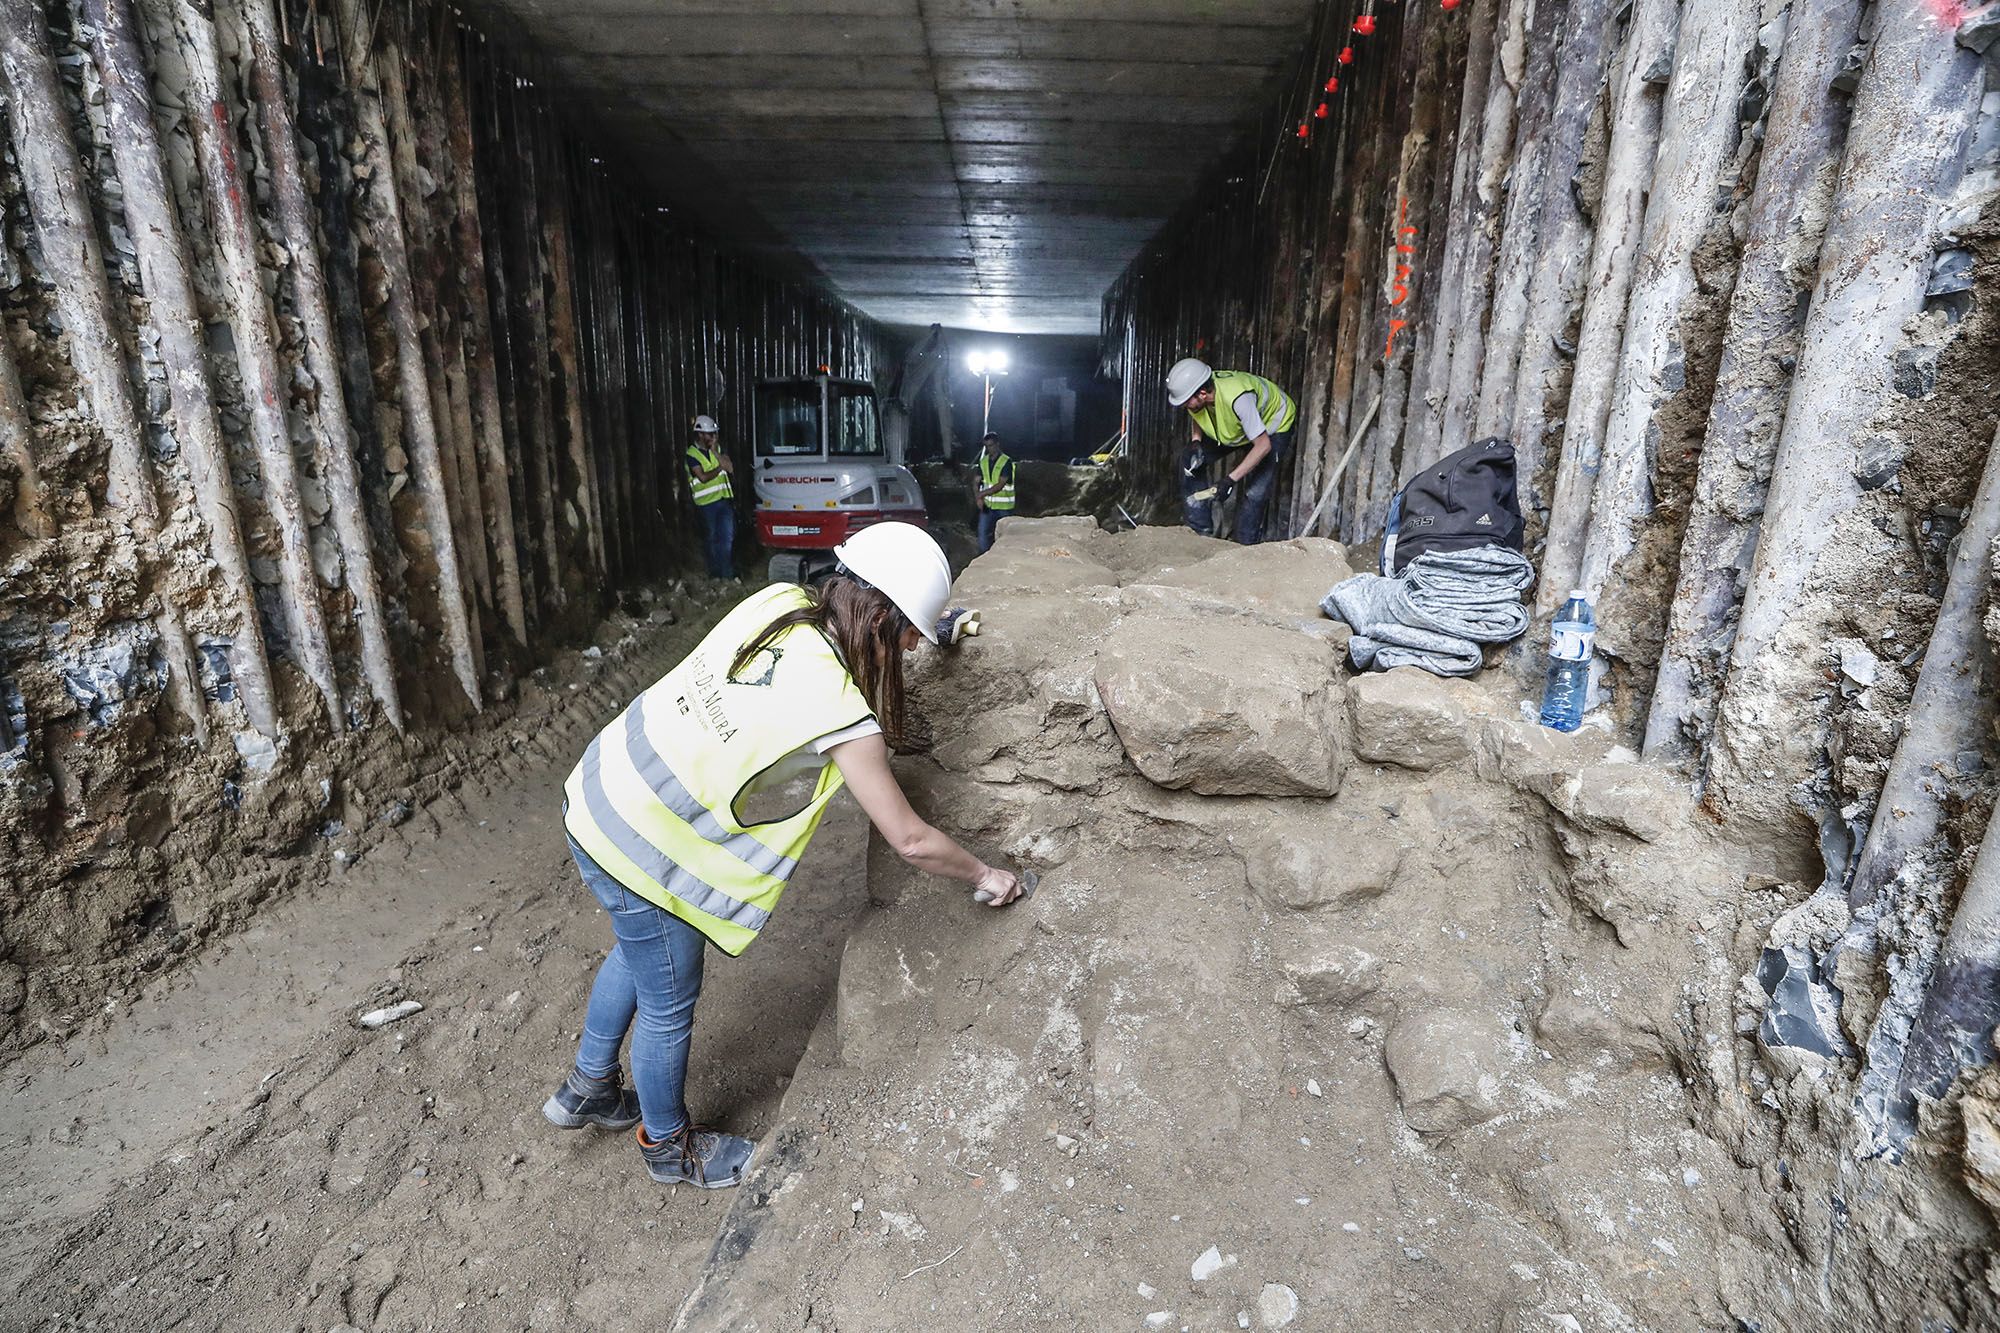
958 623
1224 489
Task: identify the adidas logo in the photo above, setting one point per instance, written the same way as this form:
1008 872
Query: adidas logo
1484 521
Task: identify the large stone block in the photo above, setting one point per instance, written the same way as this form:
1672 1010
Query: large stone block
1253 711
1447 1068
1286 578
1409 718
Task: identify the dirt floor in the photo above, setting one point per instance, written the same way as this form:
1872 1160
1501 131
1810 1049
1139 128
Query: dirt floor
232 1152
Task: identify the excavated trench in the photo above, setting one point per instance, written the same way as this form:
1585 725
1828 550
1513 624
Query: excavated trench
345 352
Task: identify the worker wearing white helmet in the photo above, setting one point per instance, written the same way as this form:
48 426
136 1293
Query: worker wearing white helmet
1241 420
794 684
709 470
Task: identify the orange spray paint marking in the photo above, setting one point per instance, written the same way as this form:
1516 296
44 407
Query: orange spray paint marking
1406 232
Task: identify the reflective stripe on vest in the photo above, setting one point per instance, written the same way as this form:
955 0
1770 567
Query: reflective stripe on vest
990 473
1218 420
654 799
716 488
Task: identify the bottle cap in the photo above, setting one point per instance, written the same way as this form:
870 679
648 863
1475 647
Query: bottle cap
1578 595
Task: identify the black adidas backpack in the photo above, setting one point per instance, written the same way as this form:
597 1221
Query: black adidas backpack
1461 501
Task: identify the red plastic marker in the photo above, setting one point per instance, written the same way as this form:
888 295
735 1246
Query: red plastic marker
1333 85
1319 112
1447 4
1346 55
1303 131
1365 24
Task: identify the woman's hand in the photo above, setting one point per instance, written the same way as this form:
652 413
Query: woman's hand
996 887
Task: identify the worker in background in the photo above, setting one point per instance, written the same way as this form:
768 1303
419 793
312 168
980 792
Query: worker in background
996 489
709 472
1245 421
794 684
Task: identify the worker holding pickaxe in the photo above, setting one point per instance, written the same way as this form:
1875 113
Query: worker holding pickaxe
1241 419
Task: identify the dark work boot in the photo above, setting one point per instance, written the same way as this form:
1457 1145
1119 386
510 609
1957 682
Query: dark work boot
605 1102
697 1156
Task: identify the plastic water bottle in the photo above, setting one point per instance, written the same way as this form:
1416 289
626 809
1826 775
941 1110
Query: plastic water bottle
1570 640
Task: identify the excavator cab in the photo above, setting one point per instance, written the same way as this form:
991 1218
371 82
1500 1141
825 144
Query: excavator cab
824 469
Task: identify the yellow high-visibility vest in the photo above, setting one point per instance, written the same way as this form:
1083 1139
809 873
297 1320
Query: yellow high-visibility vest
991 472
655 798
717 488
1218 420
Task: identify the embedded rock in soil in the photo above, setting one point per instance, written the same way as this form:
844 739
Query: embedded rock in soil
1447 1067
1258 712
1311 859
1323 971
1981 1112
1407 717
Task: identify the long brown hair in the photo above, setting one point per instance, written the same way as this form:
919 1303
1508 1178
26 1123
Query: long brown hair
866 629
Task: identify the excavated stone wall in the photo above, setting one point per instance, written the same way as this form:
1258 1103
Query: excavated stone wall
516 346
1343 1002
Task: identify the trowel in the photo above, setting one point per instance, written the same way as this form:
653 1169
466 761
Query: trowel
1029 881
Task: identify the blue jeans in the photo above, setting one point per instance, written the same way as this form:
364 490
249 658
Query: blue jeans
719 538
1253 492
989 525
647 983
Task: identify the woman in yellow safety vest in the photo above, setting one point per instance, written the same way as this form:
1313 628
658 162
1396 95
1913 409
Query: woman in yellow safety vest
793 683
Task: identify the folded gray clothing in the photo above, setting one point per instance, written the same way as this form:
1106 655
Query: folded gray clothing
1388 645
1436 614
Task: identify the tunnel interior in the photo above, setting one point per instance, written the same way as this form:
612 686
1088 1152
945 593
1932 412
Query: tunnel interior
349 357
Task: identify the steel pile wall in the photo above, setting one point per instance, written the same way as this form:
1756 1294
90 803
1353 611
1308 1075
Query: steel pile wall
467 355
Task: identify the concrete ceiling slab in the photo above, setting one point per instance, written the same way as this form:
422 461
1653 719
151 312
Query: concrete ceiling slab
977 163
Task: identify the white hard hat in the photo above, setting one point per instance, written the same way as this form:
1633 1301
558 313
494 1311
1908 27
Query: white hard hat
1184 381
906 565
704 425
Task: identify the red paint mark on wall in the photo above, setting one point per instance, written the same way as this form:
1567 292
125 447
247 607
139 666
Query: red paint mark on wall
1406 235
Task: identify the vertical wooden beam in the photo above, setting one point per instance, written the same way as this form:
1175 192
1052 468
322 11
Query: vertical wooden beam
1906 147
1561 249
1614 255
1515 260
488 416
334 446
1424 435
461 502
1785 222
160 246
384 215
52 175
563 339
1698 139
1479 225
212 125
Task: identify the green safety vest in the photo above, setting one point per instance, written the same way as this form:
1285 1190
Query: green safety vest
654 799
990 473
1218 420
707 492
